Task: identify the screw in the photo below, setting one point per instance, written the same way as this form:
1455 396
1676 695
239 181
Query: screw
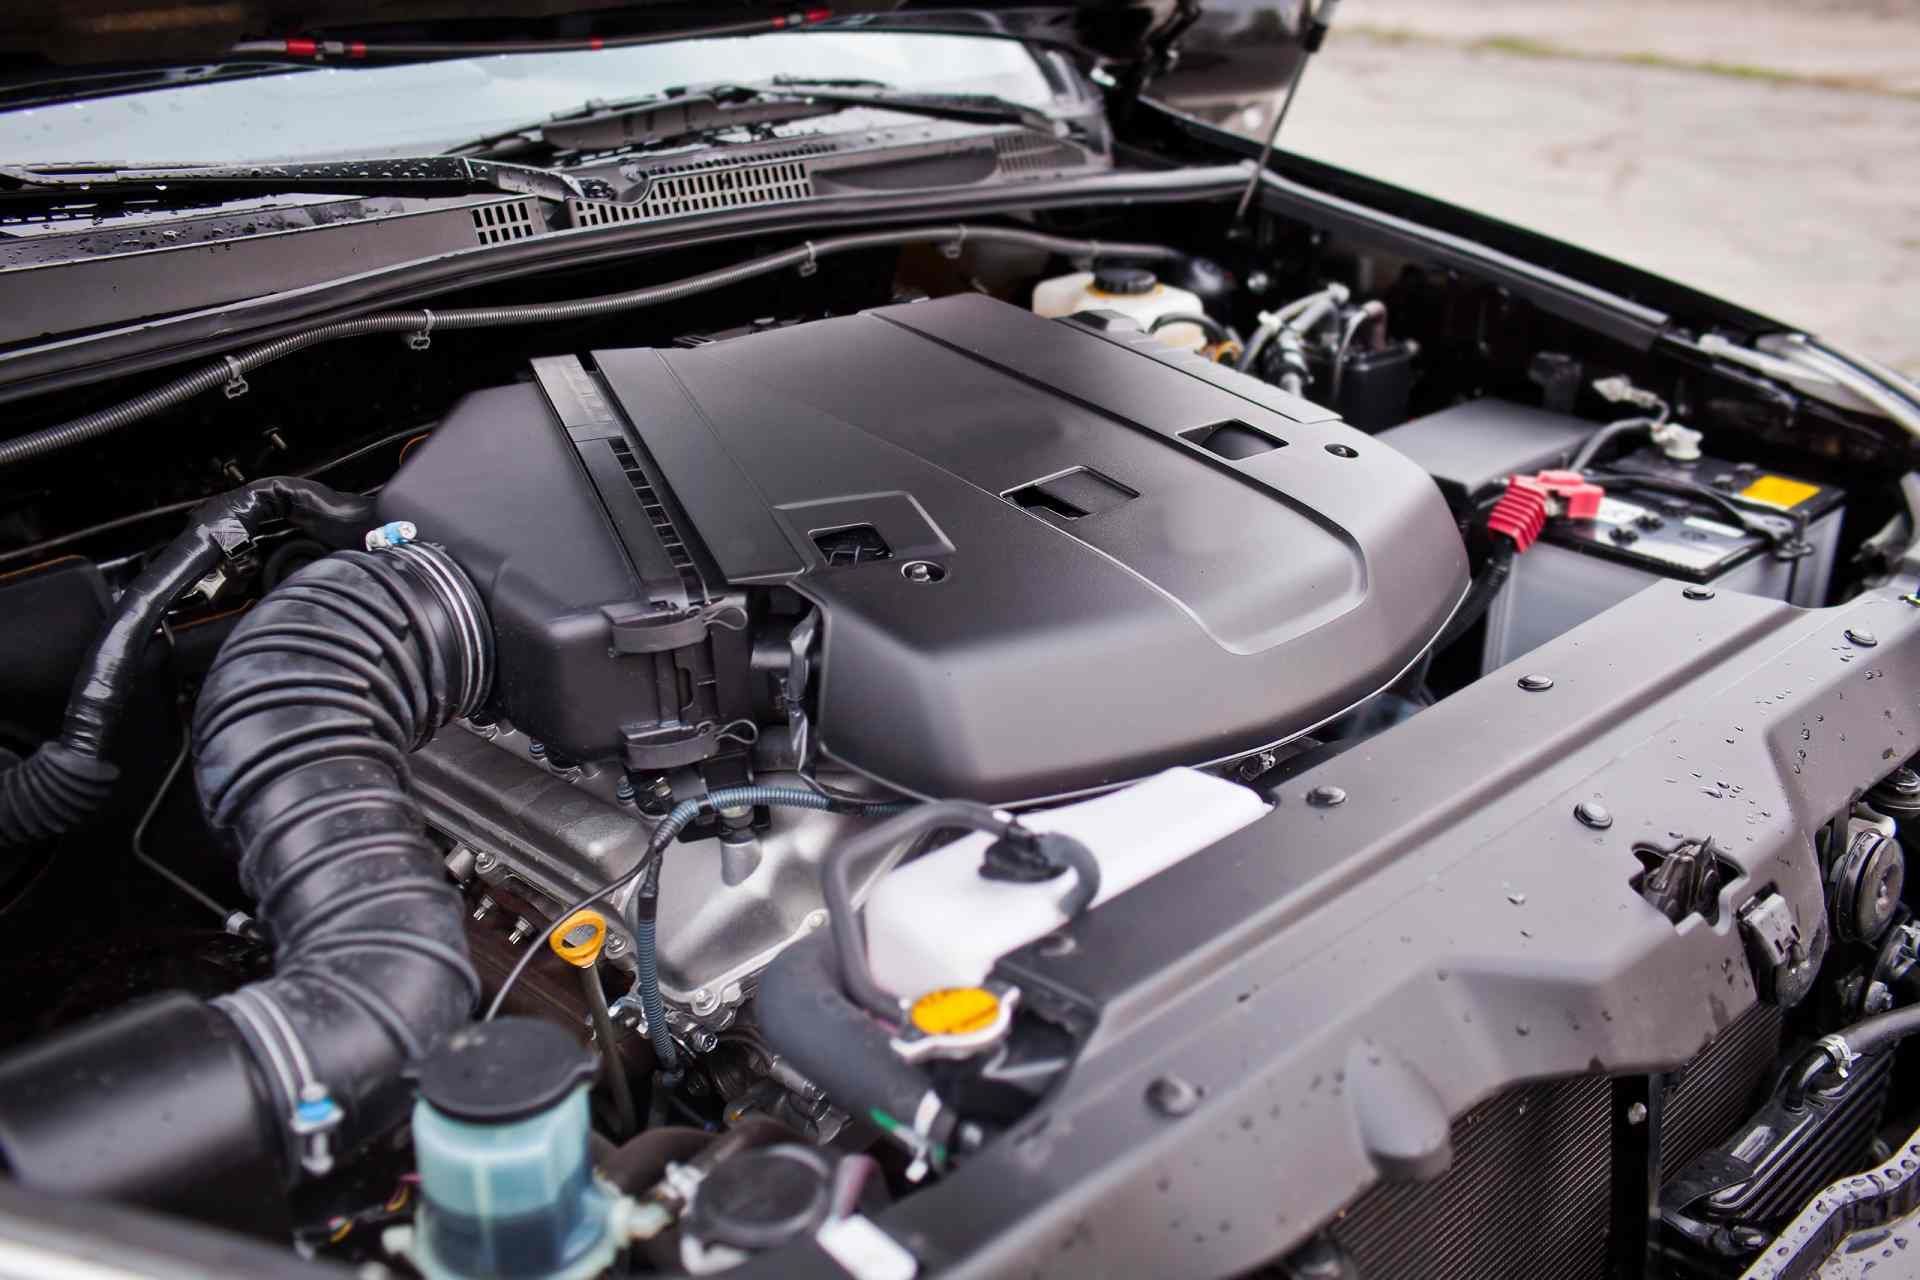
485 863
1326 797
922 572
1862 637
815 919
537 749
521 928
1637 1113
1593 814
1533 682
623 790
703 1041
1172 1096
277 440
486 905
616 945
704 1001
1697 593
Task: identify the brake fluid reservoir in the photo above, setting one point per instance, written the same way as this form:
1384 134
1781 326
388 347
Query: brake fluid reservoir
937 922
1132 291
500 1136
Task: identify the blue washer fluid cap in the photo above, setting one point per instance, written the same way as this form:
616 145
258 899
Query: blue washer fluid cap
500 1136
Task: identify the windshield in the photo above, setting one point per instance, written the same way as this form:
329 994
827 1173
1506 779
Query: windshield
426 107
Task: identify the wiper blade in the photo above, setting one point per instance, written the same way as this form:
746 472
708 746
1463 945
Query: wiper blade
407 175
691 111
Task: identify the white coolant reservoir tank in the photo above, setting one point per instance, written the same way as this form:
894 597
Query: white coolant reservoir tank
1134 292
937 922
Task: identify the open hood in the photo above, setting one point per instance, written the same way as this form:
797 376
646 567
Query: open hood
109 36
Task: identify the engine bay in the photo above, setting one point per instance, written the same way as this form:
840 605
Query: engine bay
805 767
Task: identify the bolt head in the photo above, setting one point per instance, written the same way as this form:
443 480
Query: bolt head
1637 1113
1593 814
816 919
1697 592
922 572
1326 796
616 945
485 862
1862 637
1534 682
1172 1096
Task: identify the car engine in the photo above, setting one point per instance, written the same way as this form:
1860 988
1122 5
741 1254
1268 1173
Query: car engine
976 768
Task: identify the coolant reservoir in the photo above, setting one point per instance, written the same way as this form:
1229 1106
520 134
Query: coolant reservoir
937 922
1134 292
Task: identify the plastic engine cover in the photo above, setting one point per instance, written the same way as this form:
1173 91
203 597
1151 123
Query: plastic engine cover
1048 556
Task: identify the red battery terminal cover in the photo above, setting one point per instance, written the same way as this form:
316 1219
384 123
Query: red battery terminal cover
1522 511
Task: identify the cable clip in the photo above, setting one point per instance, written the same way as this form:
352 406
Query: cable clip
422 338
812 265
394 533
236 380
314 1119
953 251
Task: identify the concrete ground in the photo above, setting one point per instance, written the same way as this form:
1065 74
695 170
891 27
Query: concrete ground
1764 150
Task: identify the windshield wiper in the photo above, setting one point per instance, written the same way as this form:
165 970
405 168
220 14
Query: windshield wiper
407 175
692 111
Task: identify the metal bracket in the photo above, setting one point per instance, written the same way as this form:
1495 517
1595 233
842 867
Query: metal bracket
812 265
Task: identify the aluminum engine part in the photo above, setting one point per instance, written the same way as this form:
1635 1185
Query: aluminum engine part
561 834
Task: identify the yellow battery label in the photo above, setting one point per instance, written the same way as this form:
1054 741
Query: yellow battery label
953 1011
1778 491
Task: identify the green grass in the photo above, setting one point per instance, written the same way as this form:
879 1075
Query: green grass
1530 47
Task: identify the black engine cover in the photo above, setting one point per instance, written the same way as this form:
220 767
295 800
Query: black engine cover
1047 556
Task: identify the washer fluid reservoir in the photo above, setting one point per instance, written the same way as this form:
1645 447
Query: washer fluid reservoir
1134 292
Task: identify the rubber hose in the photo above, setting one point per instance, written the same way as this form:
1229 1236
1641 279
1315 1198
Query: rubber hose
808 1019
1869 1036
300 735
69 778
300 739
228 370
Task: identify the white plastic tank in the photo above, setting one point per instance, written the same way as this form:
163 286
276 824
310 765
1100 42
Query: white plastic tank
937 922
1134 292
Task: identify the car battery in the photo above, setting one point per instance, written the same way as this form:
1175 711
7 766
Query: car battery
1647 530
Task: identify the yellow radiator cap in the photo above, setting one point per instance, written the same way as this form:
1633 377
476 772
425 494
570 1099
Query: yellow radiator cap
955 1011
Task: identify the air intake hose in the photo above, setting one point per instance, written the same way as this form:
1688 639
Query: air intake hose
70 778
300 741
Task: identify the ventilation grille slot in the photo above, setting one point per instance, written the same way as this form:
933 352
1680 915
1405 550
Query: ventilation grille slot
602 213
1029 154
656 513
727 189
733 161
499 223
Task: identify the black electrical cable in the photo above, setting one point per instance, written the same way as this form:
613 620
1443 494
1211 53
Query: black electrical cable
1206 324
1480 596
188 504
646 901
1607 435
229 371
